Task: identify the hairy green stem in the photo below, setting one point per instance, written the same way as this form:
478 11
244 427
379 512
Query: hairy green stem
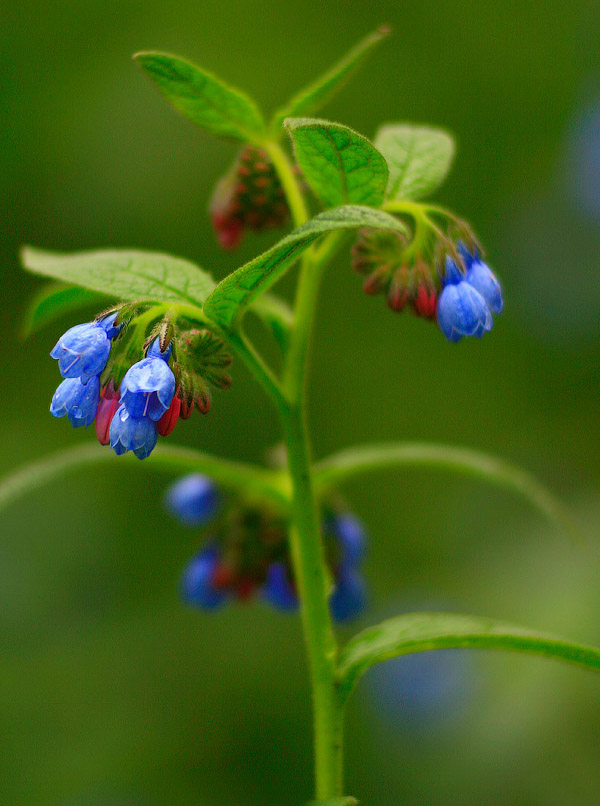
305 538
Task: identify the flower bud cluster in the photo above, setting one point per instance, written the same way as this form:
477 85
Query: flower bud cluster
151 395
246 552
249 196
461 293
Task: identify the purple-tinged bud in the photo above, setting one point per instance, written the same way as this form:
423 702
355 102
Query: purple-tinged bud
249 196
170 418
108 405
78 401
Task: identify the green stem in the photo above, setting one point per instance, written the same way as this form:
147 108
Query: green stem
312 583
289 183
170 458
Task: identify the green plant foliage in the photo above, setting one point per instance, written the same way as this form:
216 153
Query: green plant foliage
340 165
54 300
334 802
238 290
277 316
320 92
465 461
125 274
203 98
418 157
419 632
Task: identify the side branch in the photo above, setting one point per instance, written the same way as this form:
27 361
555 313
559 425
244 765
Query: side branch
171 459
354 461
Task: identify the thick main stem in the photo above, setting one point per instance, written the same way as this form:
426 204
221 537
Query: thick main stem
312 584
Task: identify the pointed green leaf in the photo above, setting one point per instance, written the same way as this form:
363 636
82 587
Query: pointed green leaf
317 94
277 315
418 157
56 299
419 632
203 98
340 165
231 297
125 274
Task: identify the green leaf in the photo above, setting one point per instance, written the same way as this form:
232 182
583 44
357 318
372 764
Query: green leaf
419 632
418 157
320 92
56 299
169 458
231 297
125 274
347 801
355 461
277 315
203 98
340 165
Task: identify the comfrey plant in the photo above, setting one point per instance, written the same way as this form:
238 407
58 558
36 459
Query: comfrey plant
152 356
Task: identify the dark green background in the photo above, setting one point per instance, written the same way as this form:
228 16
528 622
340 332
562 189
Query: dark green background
111 692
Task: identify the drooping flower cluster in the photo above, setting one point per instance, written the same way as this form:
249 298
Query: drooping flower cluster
462 293
82 353
249 196
246 551
132 404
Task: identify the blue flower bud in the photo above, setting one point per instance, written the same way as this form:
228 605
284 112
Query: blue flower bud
194 499
197 580
108 324
148 386
349 596
351 536
482 279
128 433
82 351
77 400
461 311
277 590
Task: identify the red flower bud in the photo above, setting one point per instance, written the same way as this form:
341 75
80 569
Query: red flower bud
109 403
169 419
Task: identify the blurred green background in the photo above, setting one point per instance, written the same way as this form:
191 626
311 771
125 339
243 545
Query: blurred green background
111 692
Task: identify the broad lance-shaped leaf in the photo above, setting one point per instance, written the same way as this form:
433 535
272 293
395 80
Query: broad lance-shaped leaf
125 274
231 297
203 98
340 165
317 94
418 157
419 632
56 299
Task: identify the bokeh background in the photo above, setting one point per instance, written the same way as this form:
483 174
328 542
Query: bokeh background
111 691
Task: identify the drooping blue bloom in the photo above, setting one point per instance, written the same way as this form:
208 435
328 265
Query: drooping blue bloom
194 499
351 536
128 433
197 580
277 590
82 351
461 310
482 278
148 386
78 401
349 597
